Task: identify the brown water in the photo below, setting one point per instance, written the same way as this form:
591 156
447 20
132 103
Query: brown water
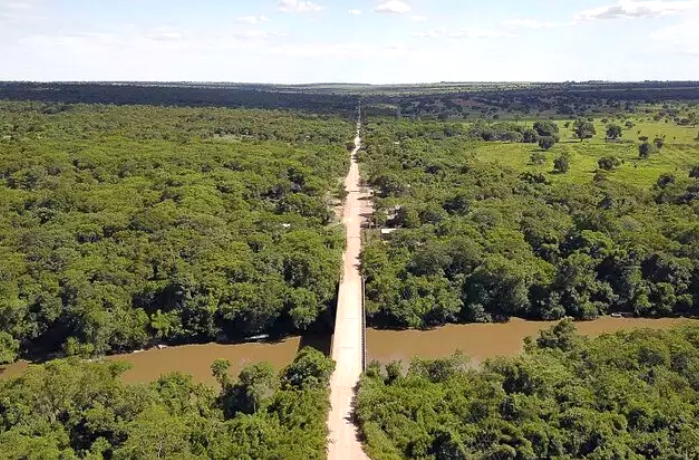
483 341
479 341
196 360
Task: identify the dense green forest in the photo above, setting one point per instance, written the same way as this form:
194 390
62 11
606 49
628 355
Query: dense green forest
625 396
493 223
69 409
124 225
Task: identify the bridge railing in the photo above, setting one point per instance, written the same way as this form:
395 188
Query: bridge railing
363 344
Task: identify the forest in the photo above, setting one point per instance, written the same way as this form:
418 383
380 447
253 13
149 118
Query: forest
121 226
69 410
535 219
632 395
139 214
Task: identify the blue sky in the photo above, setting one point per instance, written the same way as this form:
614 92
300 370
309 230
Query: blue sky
370 41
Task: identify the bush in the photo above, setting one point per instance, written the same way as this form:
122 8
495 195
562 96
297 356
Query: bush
614 132
547 142
537 158
546 128
529 136
645 150
561 165
666 179
608 163
659 142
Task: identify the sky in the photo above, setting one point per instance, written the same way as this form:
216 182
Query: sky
357 41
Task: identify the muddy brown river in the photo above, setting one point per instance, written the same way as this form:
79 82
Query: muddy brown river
479 341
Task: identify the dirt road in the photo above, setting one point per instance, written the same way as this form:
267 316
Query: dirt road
347 341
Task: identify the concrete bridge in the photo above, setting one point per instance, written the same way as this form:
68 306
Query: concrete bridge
349 340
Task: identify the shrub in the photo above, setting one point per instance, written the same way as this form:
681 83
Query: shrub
547 142
645 149
561 165
608 163
537 158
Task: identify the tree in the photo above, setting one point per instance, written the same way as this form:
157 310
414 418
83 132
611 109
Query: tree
694 172
665 179
537 158
584 129
256 384
530 136
561 165
220 369
659 142
9 348
547 142
310 369
155 434
614 132
608 163
645 150
547 129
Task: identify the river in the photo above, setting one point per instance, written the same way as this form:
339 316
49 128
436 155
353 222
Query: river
479 341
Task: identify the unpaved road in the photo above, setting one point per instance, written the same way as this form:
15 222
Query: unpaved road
347 341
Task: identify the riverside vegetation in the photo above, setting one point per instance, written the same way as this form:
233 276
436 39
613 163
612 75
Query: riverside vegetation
624 396
69 409
493 223
123 226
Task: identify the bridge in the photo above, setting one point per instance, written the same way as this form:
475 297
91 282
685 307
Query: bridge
349 339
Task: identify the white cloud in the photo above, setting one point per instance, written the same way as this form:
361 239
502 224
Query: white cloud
355 12
342 51
631 9
393 6
165 34
12 10
252 20
479 33
528 24
298 6
252 35
682 37
429 34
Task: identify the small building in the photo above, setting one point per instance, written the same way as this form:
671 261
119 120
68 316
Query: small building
387 232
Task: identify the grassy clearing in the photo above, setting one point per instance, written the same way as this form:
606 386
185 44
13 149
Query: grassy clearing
681 151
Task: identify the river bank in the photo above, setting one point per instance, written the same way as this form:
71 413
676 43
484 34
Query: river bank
479 341
484 341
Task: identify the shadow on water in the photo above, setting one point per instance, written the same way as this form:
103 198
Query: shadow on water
322 343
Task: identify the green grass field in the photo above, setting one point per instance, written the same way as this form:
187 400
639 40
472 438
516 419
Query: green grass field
681 151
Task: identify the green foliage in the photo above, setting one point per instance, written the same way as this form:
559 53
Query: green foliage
608 163
516 239
614 131
9 348
537 158
547 129
122 225
547 142
629 395
584 129
645 150
310 369
694 172
561 165
72 409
